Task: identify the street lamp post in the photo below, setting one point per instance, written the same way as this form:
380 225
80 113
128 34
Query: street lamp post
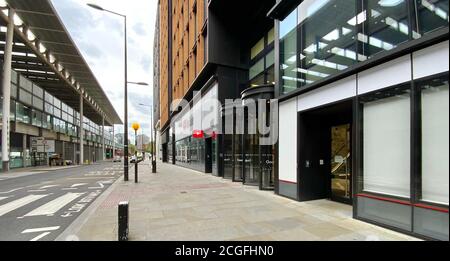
125 145
153 144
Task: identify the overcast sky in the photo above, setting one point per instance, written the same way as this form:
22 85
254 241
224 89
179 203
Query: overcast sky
99 36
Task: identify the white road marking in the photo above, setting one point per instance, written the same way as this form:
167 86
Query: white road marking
78 185
13 205
40 236
12 190
99 187
36 190
42 229
54 206
48 186
2 198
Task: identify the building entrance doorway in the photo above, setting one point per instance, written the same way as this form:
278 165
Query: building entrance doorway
325 158
341 167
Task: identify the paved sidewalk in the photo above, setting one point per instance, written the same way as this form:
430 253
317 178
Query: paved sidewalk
22 172
182 205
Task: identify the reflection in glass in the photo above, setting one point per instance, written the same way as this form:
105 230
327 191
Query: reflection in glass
431 15
228 156
385 26
288 53
238 158
252 164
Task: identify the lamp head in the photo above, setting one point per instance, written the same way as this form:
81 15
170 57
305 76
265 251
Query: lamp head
96 7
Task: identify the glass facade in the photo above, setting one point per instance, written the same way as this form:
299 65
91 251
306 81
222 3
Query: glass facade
262 59
320 38
31 105
403 180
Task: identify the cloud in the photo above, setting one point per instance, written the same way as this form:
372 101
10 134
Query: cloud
99 36
139 29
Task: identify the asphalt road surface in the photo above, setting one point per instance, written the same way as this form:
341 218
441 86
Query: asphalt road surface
41 206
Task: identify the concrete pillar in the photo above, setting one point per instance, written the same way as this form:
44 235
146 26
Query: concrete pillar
24 149
113 143
103 139
7 90
64 151
81 130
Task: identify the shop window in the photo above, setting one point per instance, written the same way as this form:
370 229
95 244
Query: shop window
435 140
13 91
385 25
386 142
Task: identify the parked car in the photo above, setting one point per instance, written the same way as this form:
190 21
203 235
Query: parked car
117 159
133 159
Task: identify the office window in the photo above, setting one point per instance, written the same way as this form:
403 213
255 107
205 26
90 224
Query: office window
26 84
13 91
38 103
327 39
431 15
435 140
288 53
385 25
25 97
48 108
36 118
23 113
48 98
257 48
13 76
386 142
271 36
256 69
38 92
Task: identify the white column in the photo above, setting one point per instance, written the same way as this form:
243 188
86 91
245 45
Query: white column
103 139
7 90
81 131
113 143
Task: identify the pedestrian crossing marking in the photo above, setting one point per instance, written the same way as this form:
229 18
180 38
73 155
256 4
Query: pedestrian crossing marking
54 206
46 231
13 205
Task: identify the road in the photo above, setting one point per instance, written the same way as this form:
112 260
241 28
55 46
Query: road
41 206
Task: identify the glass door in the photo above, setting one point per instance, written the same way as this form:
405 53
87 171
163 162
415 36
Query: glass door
341 187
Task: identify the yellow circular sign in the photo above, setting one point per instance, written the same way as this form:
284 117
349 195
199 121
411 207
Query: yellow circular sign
136 126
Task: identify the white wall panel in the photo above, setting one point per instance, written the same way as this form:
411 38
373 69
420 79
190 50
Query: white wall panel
287 158
431 60
340 90
387 74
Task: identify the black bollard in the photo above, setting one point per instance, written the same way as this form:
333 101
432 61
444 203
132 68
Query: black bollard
136 172
123 221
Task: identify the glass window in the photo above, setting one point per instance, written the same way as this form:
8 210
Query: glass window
385 25
258 81
256 69
435 140
26 84
257 48
25 97
328 40
431 15
288 53
57 112
37 91
37 118
271 36
270 59
56 103
386 142
38 103
13 91
48 98
48 108
13 76
12 111
23 113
